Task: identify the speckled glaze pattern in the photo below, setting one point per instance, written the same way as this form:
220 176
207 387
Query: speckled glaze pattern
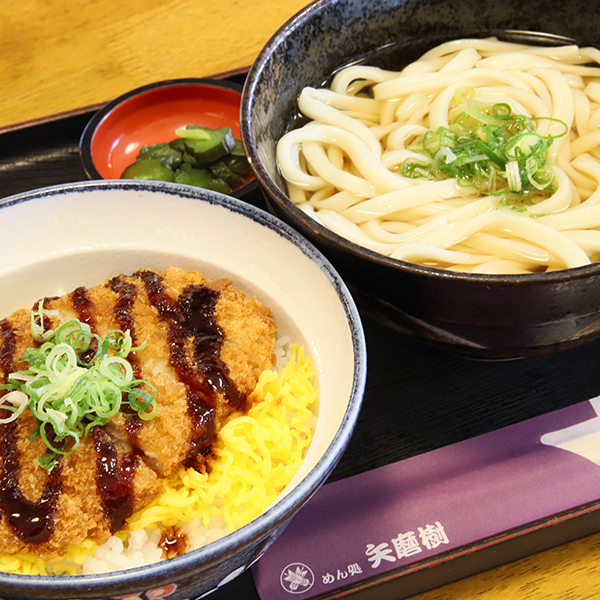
491 317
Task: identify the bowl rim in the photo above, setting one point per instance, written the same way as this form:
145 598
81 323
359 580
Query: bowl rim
275 515
87 136
332 239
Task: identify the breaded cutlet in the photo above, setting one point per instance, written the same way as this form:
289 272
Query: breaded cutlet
203 346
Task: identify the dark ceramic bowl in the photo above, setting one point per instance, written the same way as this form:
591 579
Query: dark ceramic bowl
490 317
151 114
59 238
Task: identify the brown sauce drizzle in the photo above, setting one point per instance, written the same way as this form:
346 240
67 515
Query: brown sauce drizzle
127 293
114 480
84 306
204 431
124 305
31 522
198 304
193 315
173 542
167 312
133 426
46 321
7 347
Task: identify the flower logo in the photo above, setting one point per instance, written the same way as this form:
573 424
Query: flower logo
297 578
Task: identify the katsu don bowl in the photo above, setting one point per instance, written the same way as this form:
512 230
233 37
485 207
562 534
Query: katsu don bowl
296 114
238 360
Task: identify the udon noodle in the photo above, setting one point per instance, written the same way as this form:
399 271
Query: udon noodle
358 167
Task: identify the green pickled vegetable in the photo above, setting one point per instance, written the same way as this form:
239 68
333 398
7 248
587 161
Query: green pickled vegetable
209 158
200 177
238 164
220 141
178 144
167 155
150 169
221 170
238 149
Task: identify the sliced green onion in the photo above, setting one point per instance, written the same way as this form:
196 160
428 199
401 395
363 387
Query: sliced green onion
117 370
489 148
502 110
142 402
565 126
462 94
39 333
489 153
17 401
525 144
513 176
67 393
477 111
536 175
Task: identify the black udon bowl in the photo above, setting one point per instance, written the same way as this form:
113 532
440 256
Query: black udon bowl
479 316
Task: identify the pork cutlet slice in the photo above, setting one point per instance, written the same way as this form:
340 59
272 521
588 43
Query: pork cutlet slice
162 311
68 504
42 512
174 314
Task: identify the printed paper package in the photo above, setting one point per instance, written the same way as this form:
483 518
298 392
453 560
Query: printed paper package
371 528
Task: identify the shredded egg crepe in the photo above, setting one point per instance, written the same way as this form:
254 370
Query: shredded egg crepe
256 455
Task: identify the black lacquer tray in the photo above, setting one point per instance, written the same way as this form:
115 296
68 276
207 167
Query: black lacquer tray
417 399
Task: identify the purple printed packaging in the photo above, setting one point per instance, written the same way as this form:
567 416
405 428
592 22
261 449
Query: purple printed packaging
381 526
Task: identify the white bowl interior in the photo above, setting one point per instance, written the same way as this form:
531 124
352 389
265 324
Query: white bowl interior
55 242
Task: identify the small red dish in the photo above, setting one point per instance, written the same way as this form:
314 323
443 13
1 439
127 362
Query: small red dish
151 114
